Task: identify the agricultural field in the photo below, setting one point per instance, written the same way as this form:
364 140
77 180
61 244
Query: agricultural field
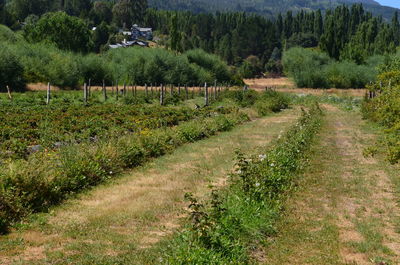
117 190
133 135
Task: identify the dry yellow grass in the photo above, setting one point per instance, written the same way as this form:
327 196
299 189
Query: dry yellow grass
284 84
136 211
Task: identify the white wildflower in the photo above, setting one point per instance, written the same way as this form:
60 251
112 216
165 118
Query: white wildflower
111 172
262 157
257 184
272 164
239 171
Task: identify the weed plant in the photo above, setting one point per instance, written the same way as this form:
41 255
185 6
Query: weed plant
226 228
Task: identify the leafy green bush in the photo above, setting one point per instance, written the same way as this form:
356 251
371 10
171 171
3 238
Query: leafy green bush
313 69
224 228
271 101
212 63
7 35
305 66
57 28
11 70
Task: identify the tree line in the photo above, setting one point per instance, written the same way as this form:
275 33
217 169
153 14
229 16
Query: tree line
252 43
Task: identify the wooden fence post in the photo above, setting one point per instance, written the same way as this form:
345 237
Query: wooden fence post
104 91
48 94
146 90
186 92
112 88
215 90
179 89
206 94
85 93
124 91
9 92
89 88
135 89
171 89
162 95
117 90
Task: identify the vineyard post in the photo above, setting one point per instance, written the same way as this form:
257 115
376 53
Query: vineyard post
179 89
206 94
9 92
186 92
89 88
215 90
171 89
85 93
135 89
124 91
104 90
117 90
146 89
162 95
48 94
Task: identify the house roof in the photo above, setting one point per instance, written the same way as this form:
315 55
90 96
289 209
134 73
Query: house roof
128 44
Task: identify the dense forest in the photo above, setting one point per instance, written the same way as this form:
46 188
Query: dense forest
267 8
250 43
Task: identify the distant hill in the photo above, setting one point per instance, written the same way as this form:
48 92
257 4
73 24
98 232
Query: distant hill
267 8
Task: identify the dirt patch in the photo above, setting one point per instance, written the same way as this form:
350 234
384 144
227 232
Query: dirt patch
286 85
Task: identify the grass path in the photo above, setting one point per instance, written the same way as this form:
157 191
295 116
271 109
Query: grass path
117 222
345 211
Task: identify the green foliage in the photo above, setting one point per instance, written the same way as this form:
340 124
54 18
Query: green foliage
211 63
315 70
271 101
7 35
11 70
306 67
385 108
46 178
66 32
223 229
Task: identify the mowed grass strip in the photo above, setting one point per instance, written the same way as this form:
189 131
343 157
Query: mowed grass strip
115 223
345 211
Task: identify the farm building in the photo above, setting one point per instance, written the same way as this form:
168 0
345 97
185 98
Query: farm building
141 33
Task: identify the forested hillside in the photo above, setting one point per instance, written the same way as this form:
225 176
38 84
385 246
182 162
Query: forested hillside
269 8
251 44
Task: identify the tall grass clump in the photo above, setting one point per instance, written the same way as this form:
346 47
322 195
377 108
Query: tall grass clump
228 226
313 69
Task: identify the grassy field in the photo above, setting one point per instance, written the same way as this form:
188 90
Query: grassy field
339 207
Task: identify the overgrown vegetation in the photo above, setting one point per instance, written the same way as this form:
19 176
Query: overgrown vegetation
225 229
385 107
31 63
46 178
313 69
67 147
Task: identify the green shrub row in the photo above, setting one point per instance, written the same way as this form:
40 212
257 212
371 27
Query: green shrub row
312 69
64 124
226 228
265 103
384 109
45 179
22 62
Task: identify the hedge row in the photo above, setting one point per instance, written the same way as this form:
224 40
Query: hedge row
226 228
45 179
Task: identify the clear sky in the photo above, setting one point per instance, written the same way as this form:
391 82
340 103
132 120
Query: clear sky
393 3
